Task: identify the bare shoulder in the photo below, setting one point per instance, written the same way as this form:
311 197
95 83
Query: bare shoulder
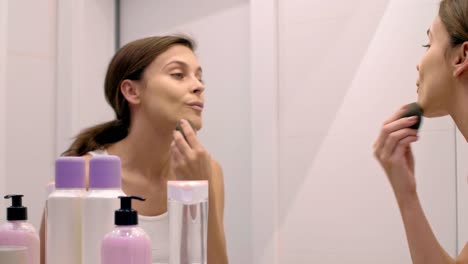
217 175
463 257
217 181
216 166
87 157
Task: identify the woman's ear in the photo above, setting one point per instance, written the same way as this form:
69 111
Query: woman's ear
461 60
131 91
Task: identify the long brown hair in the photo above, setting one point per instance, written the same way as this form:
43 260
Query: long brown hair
454 16
129 62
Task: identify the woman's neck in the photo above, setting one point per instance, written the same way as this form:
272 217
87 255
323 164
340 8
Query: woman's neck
145 151
459 113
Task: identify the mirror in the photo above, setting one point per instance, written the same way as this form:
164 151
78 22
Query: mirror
296 93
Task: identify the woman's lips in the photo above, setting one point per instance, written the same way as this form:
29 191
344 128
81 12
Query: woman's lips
198 106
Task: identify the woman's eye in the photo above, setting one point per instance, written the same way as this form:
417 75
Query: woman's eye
427 46
178 75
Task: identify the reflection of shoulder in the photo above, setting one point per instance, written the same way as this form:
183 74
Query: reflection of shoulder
216 168
217 183
217 177
98 152
88 157
463 257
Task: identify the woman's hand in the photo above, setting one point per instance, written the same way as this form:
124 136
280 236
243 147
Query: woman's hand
189 159
392 149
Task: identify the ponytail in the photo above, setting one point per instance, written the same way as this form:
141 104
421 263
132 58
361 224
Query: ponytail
97 137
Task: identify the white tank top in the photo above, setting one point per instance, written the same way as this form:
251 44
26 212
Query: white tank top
157 228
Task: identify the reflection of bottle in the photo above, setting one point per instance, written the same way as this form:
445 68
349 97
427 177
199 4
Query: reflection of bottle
64 212
13 254
18 232
127 243
188 221
99 204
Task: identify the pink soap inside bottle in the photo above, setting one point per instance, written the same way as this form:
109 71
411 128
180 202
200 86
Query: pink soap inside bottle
127 243
18 232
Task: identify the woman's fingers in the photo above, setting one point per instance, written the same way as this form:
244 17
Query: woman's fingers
402 146
190 134
180 143
389 128
393 140
177 157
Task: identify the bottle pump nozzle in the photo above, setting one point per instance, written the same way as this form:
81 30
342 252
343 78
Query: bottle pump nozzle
16 211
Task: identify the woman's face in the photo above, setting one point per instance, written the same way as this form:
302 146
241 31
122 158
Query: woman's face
436 82
173 88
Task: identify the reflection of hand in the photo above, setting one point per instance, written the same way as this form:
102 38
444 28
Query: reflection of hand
392 149
189 159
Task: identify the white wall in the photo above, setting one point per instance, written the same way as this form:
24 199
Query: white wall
345 66
462 190
3 58
29 95
264 100
86 43
221 29
53 54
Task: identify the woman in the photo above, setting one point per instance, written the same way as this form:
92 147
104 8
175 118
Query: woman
442 90
152 84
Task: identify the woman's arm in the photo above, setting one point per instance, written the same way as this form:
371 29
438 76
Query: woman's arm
422 242
42 237
393 150
216 239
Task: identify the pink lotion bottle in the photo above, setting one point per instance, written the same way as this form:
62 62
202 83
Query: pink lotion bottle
127 243
18 232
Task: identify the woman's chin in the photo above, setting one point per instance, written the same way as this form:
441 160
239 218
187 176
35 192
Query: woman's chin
195 122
